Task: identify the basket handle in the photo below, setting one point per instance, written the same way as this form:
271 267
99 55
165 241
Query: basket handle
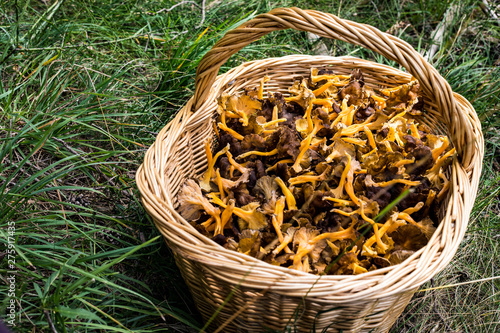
331 26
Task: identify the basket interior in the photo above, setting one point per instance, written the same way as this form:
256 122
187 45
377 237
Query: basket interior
179 154
201 125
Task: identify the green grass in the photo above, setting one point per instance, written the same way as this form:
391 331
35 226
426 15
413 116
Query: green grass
85 87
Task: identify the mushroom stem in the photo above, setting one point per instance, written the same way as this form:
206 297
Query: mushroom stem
377 237
251 216
224 127
369 135
216 130
363 216
360 211
339 191
306 143
374 150
407 218
275 113
412 210
219 183
349 189
260 93
290 199
398 181
343 203
273 122
310 179
277 219
342 114
387 146
353 129
335 79
272 168
208 151
205 183
323 101
208 224
337 235
441 160
297 258
398 138
258 153
430 197
414 131
277 228
403 162
399 115
235 164
286 240
355 141
231 171
350 111
444 190
225 217
304 146
307 115
379 102
356 269
322 89
317 143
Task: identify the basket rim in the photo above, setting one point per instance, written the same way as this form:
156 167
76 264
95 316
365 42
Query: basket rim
378 278
333 27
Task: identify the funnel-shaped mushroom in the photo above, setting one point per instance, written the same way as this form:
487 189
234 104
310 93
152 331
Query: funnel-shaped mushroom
250 217
409 237
192 203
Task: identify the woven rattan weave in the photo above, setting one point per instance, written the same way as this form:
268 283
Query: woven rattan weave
257 295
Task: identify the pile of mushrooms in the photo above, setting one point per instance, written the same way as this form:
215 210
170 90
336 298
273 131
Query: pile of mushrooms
300 181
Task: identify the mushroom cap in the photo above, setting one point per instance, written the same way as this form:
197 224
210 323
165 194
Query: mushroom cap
426 225
381 262
267 187
250 241
243 103
409 237
399 256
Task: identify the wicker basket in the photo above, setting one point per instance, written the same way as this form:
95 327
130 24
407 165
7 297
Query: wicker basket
246 294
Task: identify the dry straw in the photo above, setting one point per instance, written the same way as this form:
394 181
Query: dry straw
247 294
